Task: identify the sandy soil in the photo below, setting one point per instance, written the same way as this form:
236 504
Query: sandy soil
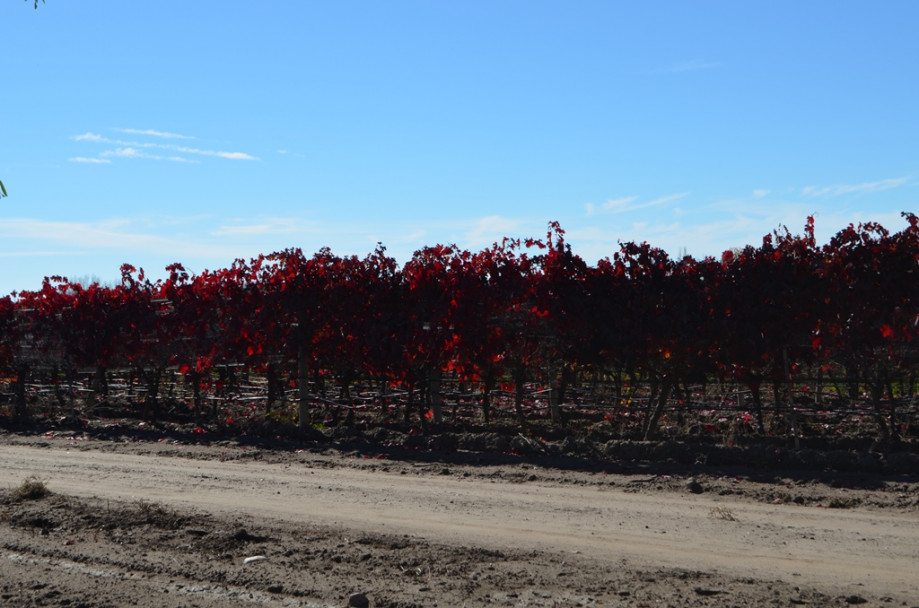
170 523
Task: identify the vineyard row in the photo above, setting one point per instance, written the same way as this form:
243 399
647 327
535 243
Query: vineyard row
498 322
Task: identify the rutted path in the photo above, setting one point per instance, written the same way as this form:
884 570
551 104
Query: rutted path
836 551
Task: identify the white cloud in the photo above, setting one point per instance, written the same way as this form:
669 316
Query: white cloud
698 239
233 155
135 153
663 200
207 241
618 203
490 229
128 153
83 159
213 241
628 203
412 237
36 254
117 234
153 133
221 154
289 153
88 136
261 227
842 189
129 149
760 193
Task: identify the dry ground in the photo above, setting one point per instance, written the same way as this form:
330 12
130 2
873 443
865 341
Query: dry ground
168 522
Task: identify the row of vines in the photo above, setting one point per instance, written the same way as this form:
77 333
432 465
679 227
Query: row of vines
500 321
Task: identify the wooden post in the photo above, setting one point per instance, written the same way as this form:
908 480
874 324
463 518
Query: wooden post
303 382
435 380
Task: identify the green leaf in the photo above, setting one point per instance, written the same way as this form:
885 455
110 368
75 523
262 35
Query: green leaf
2 190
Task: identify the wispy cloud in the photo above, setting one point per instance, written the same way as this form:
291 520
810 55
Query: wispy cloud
134 149
417 236
760 193
261 227
283 152
628 203
618 203
663 200
36 254
116 234
153 133
135 153
84 159
128 153
699 237
90 137
487 230
104 234
611 206
843 189
218 153
80 248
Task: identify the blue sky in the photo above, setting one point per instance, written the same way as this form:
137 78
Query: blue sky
152 132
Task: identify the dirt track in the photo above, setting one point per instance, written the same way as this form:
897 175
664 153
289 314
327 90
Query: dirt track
608 523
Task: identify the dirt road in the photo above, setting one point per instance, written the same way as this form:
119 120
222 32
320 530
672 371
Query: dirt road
859 553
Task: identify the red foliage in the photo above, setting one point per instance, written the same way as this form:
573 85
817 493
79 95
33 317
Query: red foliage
757 314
